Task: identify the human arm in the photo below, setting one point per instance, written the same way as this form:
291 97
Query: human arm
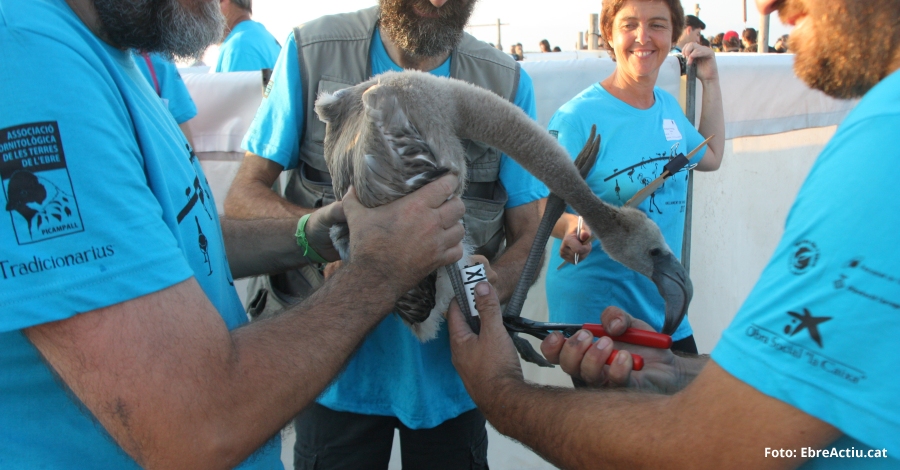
176 389
172 90
566 228
272 144
521 224
524 208
251 197
265 246
716 422
712 114
584 359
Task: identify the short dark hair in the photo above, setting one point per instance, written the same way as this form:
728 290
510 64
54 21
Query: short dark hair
693 22
749 35
611 9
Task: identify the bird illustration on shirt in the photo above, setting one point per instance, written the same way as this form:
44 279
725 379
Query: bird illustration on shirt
39 201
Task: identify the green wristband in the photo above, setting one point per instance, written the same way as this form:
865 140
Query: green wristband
303 243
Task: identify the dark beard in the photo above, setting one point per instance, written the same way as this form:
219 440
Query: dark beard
163 26
421 37
842 55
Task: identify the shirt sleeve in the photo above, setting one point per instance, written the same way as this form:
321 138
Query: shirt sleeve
569 133
521 185
82 228
180 103
275 131
818 331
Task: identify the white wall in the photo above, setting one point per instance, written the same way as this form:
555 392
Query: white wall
739 214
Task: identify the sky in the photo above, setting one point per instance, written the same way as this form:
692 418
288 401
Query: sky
528 21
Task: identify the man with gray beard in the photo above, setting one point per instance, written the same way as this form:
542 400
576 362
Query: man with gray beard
806 374
123 343
394 381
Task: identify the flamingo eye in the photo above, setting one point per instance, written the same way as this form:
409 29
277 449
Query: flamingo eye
655 252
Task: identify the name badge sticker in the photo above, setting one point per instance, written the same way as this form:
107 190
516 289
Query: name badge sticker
671 130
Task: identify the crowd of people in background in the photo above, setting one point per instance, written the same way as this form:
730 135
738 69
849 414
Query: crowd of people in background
729 41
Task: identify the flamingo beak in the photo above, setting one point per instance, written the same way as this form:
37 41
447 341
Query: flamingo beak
675 287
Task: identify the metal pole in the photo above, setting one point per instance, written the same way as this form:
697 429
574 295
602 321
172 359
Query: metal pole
579 45
594 31
690 111
762 39
497 25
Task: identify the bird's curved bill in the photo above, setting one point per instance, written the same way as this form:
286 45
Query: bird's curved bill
675 287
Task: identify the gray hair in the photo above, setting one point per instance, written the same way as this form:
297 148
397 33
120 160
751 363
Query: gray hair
246 5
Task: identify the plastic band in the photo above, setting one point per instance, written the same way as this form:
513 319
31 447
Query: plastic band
473 275
303 243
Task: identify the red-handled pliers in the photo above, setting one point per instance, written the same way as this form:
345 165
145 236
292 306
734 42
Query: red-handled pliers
635 336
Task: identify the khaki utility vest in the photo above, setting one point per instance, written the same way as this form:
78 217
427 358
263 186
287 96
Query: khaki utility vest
333 53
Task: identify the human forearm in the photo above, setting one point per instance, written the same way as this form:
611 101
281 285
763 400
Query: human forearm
712 116
716 422
176 389
208 400
521 227
688 367
251 197
265 246
565 225
712 123
566 426
262 246
315 340
574 428
277 367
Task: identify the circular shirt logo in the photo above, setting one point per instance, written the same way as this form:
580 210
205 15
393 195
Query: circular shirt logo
804 256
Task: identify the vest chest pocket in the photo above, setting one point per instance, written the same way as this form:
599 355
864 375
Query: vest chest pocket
308 191
312 148
484 221
482 161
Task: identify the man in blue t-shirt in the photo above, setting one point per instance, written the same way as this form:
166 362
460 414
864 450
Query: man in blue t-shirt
163 76
394 380
806 372
248 45
123 342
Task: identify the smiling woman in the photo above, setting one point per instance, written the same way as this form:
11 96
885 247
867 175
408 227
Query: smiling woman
642 129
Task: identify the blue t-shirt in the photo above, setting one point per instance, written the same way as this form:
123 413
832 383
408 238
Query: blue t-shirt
249 47
819 329
635 145
168 85
104 202
392 374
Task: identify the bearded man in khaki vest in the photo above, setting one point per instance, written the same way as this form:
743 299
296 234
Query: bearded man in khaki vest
394 381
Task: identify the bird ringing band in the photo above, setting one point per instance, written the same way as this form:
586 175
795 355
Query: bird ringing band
472 275
303 243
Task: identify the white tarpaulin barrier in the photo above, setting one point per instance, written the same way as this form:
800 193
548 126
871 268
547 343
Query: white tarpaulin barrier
762 96
760 93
